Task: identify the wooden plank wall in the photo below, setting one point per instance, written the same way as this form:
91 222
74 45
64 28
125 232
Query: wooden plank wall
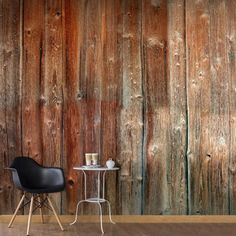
150 83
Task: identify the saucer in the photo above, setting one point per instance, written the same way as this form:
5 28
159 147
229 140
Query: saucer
91 166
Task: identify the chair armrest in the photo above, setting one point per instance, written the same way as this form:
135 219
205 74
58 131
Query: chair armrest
15 177
9 168
52 176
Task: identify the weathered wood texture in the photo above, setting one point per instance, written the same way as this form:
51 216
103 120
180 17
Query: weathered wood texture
10 99
111 40
176 161
33 39
231 62
131 118
149 83
156 107
73 103
208 107
51 86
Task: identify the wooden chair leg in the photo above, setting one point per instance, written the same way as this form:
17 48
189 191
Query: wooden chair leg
58 220
17 208
30 214
40 208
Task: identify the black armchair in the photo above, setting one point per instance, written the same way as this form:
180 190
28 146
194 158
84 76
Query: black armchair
30 177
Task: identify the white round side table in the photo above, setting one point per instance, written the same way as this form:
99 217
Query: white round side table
99 199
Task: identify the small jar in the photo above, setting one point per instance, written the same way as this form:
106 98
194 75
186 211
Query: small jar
110 163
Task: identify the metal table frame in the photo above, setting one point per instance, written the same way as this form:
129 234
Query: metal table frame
98 200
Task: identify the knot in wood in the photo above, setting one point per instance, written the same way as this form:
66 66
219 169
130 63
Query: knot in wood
80 95
71 183
42 100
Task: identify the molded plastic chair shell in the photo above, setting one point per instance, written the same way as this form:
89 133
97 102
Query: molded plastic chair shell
31 177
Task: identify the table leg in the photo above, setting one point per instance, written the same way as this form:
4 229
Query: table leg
76 213
103 196
99 184
100 212
109 207
103 184
85 185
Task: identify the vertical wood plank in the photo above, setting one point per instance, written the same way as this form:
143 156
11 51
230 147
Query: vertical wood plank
198 86
176 161
230 38
10 109
124 95
208 107
32 76
32 64
198 74
92 75
74 95
51 86
220 108
156 107
91 79
111 78
131 119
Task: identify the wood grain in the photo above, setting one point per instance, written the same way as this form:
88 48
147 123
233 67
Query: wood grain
127 219
92 76
111 38
198 74
149 83
220 109
156 107
176 160
33 33
51 87
208 108
131 119
10 100
230 38
73 100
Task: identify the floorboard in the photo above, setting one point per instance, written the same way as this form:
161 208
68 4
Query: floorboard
125 226
122 229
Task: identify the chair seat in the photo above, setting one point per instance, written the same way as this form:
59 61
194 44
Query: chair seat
50 189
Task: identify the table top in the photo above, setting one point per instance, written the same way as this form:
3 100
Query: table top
91 168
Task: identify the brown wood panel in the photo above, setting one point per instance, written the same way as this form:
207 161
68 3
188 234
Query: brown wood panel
230 38
131 119
176 160
149 83
51 86
91 76
51 83
73 103
156 109
33 34
199 88
10 84
220 109
110 91
208 107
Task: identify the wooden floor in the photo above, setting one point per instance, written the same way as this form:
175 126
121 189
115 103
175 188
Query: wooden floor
224 227
123 229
